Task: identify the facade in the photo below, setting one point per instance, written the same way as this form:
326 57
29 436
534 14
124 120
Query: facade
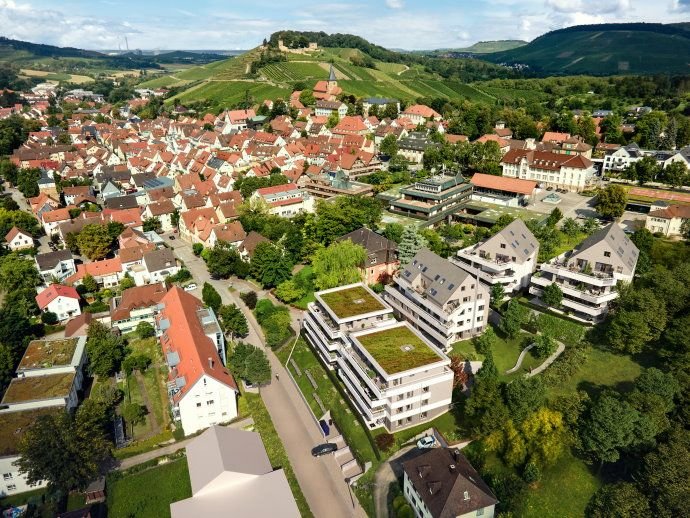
621 158
507 258
327 108
201 389
559 171
17 239
442 483
414 145
420 114
443 301
285 200
432 199
588 275
394 376
382 254
61 300
229 469
55 265
667 219
510 192
135 305
331 184
380 102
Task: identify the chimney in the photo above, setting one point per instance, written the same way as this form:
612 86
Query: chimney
456 455
452 468
210 362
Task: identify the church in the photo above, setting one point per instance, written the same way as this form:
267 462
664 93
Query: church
328 90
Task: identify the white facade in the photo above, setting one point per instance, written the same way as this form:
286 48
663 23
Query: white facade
64 307
13 482
207 403
565 177
21 241
62 270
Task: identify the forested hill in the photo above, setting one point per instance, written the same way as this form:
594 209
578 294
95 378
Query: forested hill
605 49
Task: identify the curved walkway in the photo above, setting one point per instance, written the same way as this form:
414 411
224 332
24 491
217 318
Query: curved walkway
548 361
520 358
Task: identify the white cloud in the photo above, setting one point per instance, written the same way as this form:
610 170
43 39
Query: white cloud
395 4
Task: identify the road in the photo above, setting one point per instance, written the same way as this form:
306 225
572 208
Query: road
320 479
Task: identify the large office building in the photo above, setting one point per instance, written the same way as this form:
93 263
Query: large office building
395 377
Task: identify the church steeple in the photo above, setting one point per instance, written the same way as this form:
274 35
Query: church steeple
331 75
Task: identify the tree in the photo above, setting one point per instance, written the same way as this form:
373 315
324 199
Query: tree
136 362
338 264
27 182
7 367
289 291
232 320
211 297
257 368
94 241
643 171
271 265
639 319
389 145
620 500
16 218
460 376
341 216
498 293
197 248
390 111
133 413
675 174
544 346
145 330
513 319
306 97
249 298
523 396
153 225
411 242
552 295
127 282
49 318
393 231
611 201
104 349
545 436
555 216
223 260
89 283
608 427
18 272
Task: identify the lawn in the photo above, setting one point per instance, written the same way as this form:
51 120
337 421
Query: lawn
149 492
351 302
274 448
398 349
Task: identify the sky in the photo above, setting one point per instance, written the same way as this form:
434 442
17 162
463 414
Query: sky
234 24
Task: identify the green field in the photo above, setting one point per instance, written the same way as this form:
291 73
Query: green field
227 93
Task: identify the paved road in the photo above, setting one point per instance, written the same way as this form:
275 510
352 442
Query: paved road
321 480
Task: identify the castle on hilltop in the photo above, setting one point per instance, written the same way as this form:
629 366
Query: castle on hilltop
311 48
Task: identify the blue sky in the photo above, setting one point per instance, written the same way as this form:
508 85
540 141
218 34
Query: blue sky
233 24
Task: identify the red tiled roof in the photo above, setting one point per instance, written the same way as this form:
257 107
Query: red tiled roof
54 291
275 189
14 231
502 183
138 297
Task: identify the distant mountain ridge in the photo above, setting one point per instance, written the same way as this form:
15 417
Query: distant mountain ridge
486 47
605 49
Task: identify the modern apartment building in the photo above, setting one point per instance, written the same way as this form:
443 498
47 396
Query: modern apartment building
395 377
507 258
443 301
589 274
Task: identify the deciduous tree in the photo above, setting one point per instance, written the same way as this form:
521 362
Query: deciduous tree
611 201
338 264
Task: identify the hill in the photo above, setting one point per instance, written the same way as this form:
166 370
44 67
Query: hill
483 47
605 49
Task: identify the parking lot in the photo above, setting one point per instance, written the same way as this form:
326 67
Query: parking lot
572 205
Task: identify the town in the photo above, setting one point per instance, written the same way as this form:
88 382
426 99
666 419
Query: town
358 305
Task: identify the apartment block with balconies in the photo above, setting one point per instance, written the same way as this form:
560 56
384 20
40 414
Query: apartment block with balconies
394 376
443 301
507 258
589 275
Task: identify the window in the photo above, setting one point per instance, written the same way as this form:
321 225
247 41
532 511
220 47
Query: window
480 512
425 389
607 254
11 487
198 405
7 476
423 415
209 402
503 245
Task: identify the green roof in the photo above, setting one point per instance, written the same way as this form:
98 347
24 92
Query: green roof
398 349
33 388
41 354
14 424
350 302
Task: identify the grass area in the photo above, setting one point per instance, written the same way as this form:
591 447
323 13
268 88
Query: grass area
447 424
350 302
274 448
567 243
223 93
149 492
397 349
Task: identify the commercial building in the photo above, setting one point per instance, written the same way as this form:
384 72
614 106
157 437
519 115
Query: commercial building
443 301
201 389
508 258
510 192
588 275
395 377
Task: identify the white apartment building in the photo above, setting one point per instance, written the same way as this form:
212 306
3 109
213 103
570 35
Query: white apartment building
667 219
202 391
395 377
327 108
507 258
286 200
444 302
569 172
589 274
620 159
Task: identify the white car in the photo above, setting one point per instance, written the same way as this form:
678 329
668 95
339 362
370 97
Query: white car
190 287
426 442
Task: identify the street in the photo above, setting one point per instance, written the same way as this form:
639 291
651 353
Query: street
320 479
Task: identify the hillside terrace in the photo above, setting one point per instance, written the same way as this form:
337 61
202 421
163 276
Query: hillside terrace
36 388
42 354
351 302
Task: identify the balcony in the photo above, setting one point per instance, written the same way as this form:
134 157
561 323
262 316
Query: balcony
595 312
357 369
573 272
497 265
413 298
325 321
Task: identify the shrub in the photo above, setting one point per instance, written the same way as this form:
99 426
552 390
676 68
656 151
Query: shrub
197 248
289 291
399 500
49 318
385 441
249 298
181 276
544 346
531 473
97 307
275 322
145 330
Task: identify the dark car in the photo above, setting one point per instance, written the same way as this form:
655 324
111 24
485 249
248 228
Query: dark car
171 238
324 449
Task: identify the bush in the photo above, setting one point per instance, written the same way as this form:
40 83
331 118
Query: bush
385 441
97 307
275 322
145 330
211 297
531 473
49 318
181 276
249 298
544 346
197 248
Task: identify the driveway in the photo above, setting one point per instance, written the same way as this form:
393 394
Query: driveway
320 479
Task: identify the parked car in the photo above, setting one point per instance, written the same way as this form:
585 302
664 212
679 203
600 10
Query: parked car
428 441
190 287
171 238
324 449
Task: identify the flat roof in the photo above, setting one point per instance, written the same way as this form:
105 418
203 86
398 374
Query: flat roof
35 388
42 354
351 301
398 348
14 424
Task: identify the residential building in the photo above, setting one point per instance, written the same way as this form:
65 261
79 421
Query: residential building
61 300
327 108
135 305
508 258
232 233
201 389
381 103
155 267
556 170
420 114
285 200
667 219
163 210
18 239
413 146
621 158
509 192
55 266
47 390
335 183
107 273
443 301
589 275
441 483
382 254
432 199
229 469
395 377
